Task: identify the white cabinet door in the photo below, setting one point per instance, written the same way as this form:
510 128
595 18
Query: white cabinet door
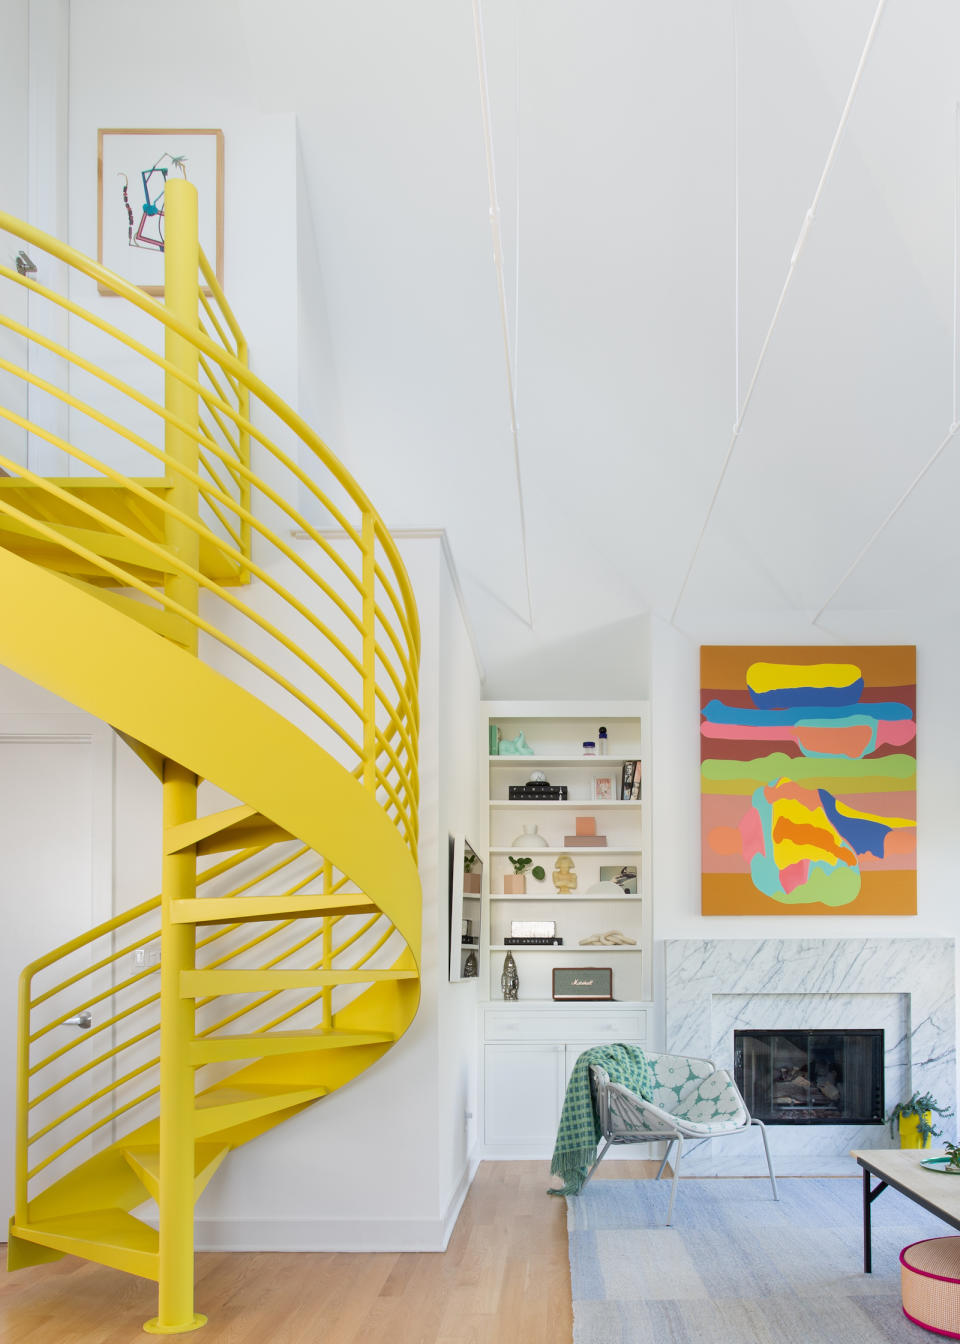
523 1091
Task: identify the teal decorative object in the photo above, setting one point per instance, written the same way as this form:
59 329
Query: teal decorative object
515 746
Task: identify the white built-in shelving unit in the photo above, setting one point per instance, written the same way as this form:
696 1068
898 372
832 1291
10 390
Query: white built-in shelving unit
529 1047
556 731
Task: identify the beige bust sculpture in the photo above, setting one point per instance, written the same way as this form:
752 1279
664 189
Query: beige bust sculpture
564 877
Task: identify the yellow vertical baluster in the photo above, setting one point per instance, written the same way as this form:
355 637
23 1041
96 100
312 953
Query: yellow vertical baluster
369 538
23 1099
182 298
177 1014
243 444
327 950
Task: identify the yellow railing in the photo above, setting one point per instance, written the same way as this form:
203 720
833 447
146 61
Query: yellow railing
344 640
121 1075
193 501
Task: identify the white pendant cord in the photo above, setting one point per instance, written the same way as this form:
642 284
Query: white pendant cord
502 291
955 425
791 269
516 213
737 220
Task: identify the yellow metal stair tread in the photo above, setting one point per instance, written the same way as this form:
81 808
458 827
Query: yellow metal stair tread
21 537
223 1108
146 1163
237 909
260 1044
118 502
234 828
107 1236
199 983
110 496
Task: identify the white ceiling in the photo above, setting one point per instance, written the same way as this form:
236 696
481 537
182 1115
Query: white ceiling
622 131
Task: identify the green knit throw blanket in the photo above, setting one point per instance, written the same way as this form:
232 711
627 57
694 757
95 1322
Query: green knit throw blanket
579 1132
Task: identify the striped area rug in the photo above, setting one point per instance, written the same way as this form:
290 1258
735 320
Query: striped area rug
737 1268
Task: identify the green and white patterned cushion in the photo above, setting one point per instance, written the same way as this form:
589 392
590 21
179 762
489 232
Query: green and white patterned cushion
673 1076
712 1103
630 1115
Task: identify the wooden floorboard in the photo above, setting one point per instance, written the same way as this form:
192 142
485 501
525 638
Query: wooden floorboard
503 1279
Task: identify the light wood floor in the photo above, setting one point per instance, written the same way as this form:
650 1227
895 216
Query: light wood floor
504 1279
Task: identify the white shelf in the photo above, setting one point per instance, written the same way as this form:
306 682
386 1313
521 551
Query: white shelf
556 729
562 760
597 896
570 849
579 803
592 950
537 1005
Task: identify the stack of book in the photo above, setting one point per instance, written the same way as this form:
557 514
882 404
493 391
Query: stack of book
536 791
532 942
631 790
586 835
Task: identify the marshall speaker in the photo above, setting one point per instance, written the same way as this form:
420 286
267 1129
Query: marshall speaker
582 982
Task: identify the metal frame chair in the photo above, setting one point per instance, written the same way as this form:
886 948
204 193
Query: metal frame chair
671 1115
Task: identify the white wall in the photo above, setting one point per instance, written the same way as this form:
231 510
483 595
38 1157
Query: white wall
318 391
154 84
676 799
13 107
13 201
593 662
461 810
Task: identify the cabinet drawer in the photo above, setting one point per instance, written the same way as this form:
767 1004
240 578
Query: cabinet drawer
567 1025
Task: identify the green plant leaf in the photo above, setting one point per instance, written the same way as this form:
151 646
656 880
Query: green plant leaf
538 872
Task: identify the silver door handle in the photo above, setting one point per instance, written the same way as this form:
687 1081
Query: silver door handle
82 1020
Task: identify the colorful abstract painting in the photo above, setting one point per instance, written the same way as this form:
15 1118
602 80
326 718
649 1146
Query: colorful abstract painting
808 780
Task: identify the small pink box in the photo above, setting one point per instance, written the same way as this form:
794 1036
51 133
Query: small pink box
586 825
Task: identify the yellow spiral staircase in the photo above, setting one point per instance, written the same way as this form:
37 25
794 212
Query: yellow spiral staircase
207 579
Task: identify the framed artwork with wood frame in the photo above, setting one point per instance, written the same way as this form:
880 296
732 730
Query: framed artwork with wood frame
132 170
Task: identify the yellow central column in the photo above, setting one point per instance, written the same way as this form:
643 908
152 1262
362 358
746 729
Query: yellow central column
178 1015
177 1027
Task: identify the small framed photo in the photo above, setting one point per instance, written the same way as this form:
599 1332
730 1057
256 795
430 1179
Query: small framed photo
604 788
625 876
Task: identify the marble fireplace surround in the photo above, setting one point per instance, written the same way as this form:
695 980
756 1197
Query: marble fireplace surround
903 985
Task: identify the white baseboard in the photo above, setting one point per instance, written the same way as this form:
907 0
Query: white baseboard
457 1198
336 1234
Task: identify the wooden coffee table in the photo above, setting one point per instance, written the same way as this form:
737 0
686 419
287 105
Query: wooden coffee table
901 1169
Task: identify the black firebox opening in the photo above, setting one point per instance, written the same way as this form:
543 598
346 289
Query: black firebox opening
811 1077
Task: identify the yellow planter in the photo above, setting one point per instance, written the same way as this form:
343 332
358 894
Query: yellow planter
910 1136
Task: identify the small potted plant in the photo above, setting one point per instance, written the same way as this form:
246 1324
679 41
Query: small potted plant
953 1155
915 1119
472 882
516 884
